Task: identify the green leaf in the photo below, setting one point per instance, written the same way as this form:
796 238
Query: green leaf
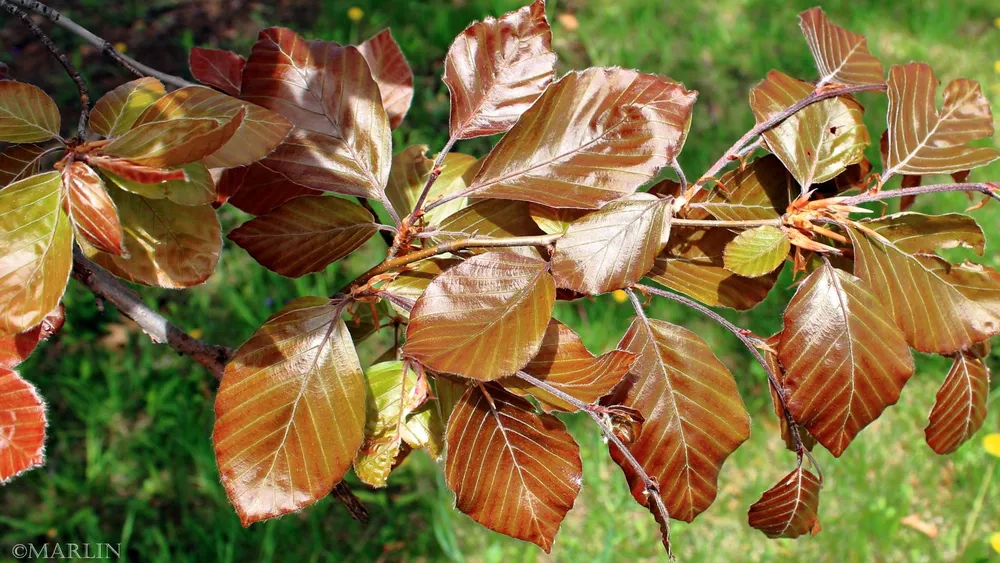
761 190
757 251
198 189
410 170
115 113
27 114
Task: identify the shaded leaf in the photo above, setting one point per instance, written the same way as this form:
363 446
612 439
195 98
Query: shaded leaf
411 282
90 207
217 68
257 189
37 242
483 319
496 69
513 471
854 177
842 57
788 509
694 417
392 74
115 113
425 427
136 172
306 234
923 140
364 319
197 189
960 406
174 142
761 190
410 170
15 349
17 162
553 220
578 144
290 413
613 247
493 218
918 233
27 114
22 426
770 356
757 251
845 361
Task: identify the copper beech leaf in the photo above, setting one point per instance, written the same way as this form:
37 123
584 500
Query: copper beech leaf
553 220
411 282
174 142
393 396
15 349
566 364
484 318
788 509
166 244
513 471
27 114
138 173
22 426
37 242
770 354
592 137
761 190
845 361
197 189
693 264
392 74
219 69
257 189
410 170
842 57
960 406
306 234
758 251
940 307
90 207
496 69
116 112
612 247
17 162
341 141
290 413
694 417
491 218
818 142
425 427
923 140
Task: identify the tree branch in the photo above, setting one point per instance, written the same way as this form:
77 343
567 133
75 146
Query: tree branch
991 190
435 172
725 224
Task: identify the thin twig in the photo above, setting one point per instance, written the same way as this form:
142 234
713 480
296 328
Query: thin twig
435 172
777 222
385 234
681 178
991 190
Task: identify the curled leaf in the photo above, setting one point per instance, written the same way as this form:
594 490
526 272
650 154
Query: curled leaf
788 509
960 406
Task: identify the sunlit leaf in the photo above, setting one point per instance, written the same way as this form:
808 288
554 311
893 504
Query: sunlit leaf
694 417
761 190
592 137
174 142
845 361
788 509
425 427
27 114
22 426
257 189
37 242
411 282
410 170
197 189
493 218
553 220
116 112
167 244
923 140
960 406
392 74
918 233
757 251
290 413
842 57
217 68
566 364
17 162
483 319
90 207
770 355
613 247
496 69
513 471
133 172
818 142
306 234
15 349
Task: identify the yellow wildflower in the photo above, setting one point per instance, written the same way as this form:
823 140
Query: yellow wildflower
996 22
355 13
996 66
619 296
995 541
121 47
991 443
196 333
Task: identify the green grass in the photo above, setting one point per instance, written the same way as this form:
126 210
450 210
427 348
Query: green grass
129 453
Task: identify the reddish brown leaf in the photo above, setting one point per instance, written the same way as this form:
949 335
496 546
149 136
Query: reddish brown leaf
761 190
290 413
496 69
306 234
513 471
90 207
566 364
198 188
842 57
17 162
27 114
770 356
217 68
115 113
483 319
137 172
788 509
22 426
257 189
392 74
845 361
694 417
174 142
15 349
495 218
960 406
412 281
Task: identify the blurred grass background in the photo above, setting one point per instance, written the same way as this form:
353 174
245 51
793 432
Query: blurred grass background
129 453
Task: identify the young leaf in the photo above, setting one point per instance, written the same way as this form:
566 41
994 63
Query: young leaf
392 74
761 190
820 141
842 57
306 234
925 141
576 145
168 245
115 113
174 142
411 282
217 68
845 361
290 413
960 406
612 247
22 426
27 114
513 471
757 251
393 396
483 319
37 239
257 189
197 189
425 428
410 170
495 218
693 264
496 69
137 173
15 349
566 364
694 417
788 509
553 220
90 207
17 162
917 233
